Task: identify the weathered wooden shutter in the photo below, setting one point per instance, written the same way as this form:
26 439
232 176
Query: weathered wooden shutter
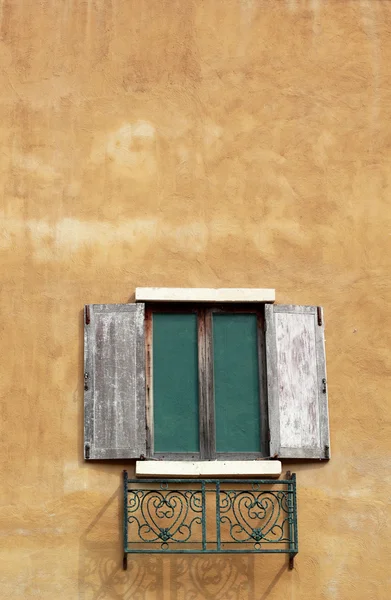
114 381
296 382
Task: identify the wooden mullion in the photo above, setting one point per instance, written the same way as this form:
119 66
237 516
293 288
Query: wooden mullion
209 375
202 389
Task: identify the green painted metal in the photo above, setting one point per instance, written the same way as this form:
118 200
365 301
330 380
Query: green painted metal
175 383
218 518
236 382
249 516
204 513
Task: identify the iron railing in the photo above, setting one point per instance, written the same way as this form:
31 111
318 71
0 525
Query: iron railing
210 516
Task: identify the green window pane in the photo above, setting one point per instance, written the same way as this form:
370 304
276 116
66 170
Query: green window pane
236 383
175 383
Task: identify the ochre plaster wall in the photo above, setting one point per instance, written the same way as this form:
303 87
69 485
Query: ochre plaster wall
191 143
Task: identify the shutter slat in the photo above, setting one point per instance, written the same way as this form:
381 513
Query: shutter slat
114 396
297 389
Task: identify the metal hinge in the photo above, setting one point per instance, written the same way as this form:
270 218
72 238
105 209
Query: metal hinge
327 452
87 451
87 314
319 313
86 376
324 385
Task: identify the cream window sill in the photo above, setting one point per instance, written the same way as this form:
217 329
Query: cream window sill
159 294
208 468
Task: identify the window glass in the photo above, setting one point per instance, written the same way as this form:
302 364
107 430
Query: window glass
175 383
236 383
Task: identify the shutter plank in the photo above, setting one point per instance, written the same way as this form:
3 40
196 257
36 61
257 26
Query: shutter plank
298 416
115 398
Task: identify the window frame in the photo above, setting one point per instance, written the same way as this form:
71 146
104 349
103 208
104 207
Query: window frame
207 430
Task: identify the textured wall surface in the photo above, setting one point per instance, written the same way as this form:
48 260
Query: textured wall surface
191 143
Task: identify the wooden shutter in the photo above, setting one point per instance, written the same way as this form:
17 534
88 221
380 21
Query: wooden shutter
296 382
114 381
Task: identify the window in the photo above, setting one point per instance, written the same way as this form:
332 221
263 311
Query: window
205 380
205 374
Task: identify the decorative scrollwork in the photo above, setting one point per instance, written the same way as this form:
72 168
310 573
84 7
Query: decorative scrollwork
164 515
255 516
213 516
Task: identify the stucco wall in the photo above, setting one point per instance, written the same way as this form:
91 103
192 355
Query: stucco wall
191 143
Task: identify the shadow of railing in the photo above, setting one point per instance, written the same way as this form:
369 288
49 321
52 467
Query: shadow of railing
212 578
101 575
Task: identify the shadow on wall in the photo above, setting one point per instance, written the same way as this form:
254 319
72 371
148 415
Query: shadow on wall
150 577
100 561
212 577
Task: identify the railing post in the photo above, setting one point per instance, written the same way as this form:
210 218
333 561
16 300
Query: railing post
218 537
203 515
125 530
292 518
295 513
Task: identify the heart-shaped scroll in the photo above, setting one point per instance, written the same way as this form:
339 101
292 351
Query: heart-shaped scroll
165 516
253 516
